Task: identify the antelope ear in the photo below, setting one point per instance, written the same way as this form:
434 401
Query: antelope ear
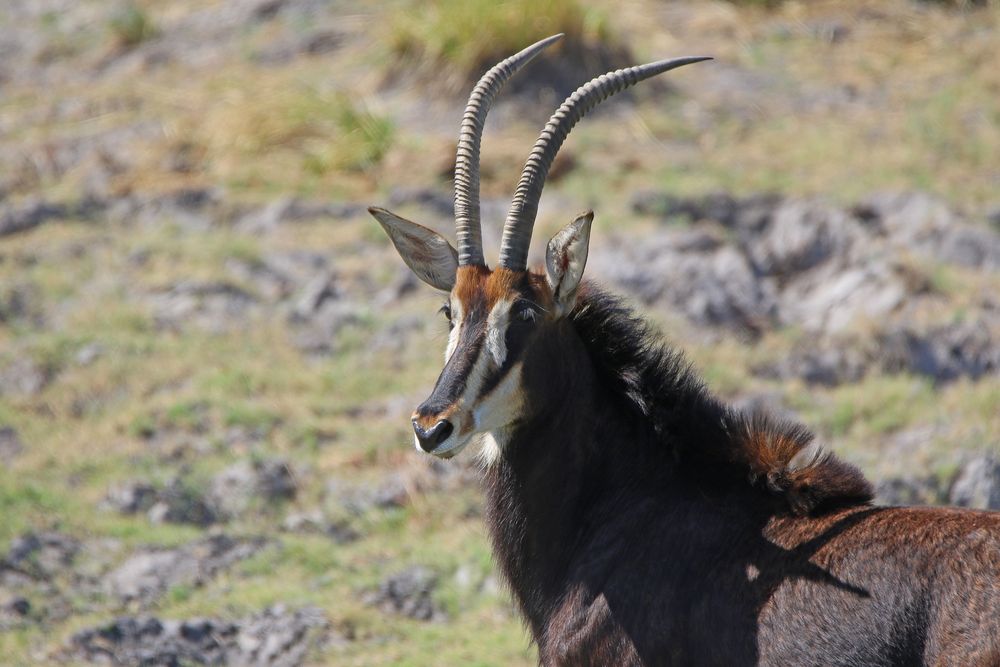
565 259
426 252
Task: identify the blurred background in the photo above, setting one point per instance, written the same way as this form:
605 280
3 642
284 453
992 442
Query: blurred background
209 352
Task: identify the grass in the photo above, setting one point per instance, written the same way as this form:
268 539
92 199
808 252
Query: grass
324 128
450 34
132 25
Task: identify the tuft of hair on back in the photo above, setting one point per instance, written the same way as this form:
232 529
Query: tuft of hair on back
785 459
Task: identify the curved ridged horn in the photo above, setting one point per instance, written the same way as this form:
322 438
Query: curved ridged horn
524 207
467 226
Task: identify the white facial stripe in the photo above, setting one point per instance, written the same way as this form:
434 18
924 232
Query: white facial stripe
504 402
502 407
456 329
496 331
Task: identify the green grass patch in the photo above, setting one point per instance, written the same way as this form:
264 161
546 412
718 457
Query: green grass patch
470 36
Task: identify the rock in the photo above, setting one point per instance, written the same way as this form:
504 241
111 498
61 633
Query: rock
828 364
10 444
179 502
132 497
213 306
292 209
800 235
23 378
275 480
18 606
943 353
910 218
233 490
88 354
408 593
30 214
392 492
404 284
438 201
313 521
909 491
319 316
21 303
973 247
276 637
314 43
917 221
314 296
41 555
792 261
977 484
193 209
748 214
146 574
711 283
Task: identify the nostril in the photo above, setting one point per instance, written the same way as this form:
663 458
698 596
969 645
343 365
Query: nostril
429 439
443 429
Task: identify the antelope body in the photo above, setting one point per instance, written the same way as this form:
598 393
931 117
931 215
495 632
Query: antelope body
636 519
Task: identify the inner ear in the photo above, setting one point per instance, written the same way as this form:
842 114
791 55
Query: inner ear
565 259
426 252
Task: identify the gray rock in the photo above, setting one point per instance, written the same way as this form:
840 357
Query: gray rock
182 502
314 295
28 215
746 214
977 484
88 354
408 593
973 247
145 575
917 221
23 377
910 218
909 491
212 306
711 283
41 555
275 637
802 234
10 444
314 43
944 353
313 521
234 489
438 201
132 497
193 209
292 209
828 364
21 303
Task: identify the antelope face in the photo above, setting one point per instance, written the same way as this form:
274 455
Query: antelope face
493 317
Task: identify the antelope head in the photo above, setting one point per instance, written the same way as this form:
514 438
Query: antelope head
497 316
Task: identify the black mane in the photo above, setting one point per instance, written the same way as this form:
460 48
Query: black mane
649 378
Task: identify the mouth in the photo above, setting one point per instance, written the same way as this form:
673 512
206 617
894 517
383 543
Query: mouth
450 447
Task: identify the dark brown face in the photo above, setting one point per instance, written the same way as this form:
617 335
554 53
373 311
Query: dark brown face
492 316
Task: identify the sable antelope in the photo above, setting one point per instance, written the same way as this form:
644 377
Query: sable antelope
637 520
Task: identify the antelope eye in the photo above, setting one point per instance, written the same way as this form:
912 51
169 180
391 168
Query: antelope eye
446 310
